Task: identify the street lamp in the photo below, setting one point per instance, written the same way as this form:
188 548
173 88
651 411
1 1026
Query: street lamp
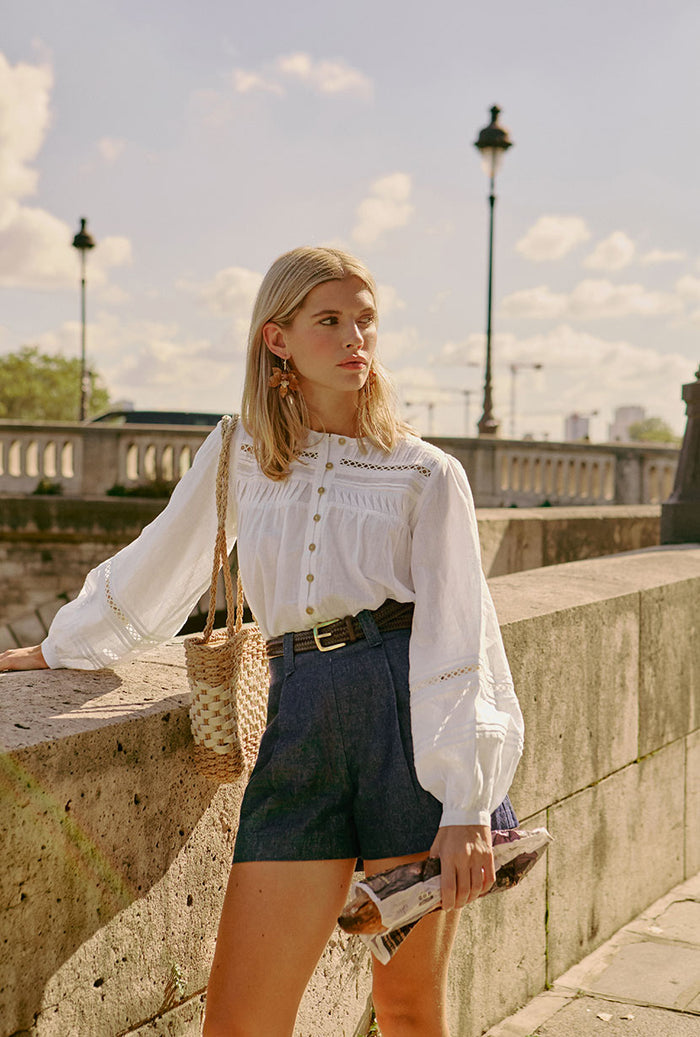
83 242
492 142
514 368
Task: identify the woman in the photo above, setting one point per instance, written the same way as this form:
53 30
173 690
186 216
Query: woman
340 511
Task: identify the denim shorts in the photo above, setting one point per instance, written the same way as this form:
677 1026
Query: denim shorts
334 776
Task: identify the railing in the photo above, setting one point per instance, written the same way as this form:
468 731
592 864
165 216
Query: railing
506 473
91 459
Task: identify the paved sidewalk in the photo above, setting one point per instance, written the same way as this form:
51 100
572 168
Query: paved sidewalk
644 982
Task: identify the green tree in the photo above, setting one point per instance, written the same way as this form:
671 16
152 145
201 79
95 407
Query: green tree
36 386
653 430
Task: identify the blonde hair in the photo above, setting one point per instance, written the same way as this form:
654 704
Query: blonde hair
278 425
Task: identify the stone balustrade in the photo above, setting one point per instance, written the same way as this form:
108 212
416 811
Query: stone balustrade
90 459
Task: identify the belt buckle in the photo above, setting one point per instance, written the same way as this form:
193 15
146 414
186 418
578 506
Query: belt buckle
317 637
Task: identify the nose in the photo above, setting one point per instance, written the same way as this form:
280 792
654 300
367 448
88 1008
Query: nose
355 336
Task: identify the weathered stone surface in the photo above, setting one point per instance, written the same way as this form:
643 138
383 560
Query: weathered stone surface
669 664
617 847
692 804
499 957
575 671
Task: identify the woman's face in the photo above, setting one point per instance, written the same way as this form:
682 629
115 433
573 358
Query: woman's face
332 339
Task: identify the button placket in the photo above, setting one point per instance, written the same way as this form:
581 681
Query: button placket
323 475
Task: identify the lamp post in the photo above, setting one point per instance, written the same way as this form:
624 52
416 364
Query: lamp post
492 142
514 368
83 242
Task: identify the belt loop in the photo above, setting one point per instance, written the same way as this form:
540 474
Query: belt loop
288 651
369 628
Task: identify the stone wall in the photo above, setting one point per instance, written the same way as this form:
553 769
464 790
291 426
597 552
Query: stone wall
117 850
48 544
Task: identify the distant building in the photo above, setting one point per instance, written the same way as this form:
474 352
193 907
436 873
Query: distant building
619 430
576 427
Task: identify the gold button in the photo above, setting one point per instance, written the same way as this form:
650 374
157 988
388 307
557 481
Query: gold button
342 440
312 547
317 518
310 578
329 465
309 610
321 489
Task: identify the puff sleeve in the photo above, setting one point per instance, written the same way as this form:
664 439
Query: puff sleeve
466 722
142 596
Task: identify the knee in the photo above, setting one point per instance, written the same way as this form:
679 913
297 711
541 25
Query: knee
405 1013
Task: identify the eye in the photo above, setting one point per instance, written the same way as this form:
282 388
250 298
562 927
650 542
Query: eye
328 321
369 318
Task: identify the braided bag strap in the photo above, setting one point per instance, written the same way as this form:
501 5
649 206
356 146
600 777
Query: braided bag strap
234 616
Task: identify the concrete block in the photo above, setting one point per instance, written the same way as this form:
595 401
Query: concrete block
669 664
692 804
617 847
498 961
648 971
29 630
509 543
575 673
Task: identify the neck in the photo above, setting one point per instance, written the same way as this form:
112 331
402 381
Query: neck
335 413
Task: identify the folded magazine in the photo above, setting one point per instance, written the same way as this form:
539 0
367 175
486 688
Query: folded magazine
383 909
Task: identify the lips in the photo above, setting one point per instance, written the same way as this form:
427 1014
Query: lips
354 363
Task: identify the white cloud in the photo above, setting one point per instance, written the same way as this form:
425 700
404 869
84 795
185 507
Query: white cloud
387 207
35 246
552 237
614 253
155 363
325 76
25 92
245 82
581 372
658 255
388 300
110 148
590 299
231 290
688 287
36 251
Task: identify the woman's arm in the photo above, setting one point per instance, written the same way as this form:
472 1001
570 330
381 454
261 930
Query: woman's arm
23 659
141 596
466 723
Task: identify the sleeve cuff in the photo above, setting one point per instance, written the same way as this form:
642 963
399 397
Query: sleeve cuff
49 654
465 817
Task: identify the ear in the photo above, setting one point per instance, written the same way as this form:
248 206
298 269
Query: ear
273 336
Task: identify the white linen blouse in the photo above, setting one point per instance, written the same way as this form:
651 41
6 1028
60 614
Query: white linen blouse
348 528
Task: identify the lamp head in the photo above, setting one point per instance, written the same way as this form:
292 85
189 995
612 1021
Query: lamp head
82 240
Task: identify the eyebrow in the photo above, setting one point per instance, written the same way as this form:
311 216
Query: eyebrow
334 313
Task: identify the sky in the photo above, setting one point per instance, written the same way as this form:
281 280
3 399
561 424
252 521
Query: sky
203 140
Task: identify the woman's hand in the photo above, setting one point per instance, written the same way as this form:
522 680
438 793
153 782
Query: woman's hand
23 659
466 863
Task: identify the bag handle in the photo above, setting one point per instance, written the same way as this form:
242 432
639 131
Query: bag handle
234 614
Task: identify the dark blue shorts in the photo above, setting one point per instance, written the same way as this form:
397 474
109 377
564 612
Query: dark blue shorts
334 776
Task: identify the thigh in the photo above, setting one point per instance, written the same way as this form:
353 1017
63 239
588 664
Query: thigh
276 919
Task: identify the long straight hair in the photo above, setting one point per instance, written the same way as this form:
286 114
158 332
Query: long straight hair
278 426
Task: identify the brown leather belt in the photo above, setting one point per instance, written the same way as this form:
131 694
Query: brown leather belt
336 633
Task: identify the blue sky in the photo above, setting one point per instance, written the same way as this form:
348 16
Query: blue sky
203 140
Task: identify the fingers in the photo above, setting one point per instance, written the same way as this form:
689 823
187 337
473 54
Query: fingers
23 659
466 864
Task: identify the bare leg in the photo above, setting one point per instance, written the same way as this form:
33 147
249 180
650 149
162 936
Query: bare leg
410 993
276 920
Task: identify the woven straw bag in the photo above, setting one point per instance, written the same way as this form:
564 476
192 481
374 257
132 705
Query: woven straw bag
227 669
